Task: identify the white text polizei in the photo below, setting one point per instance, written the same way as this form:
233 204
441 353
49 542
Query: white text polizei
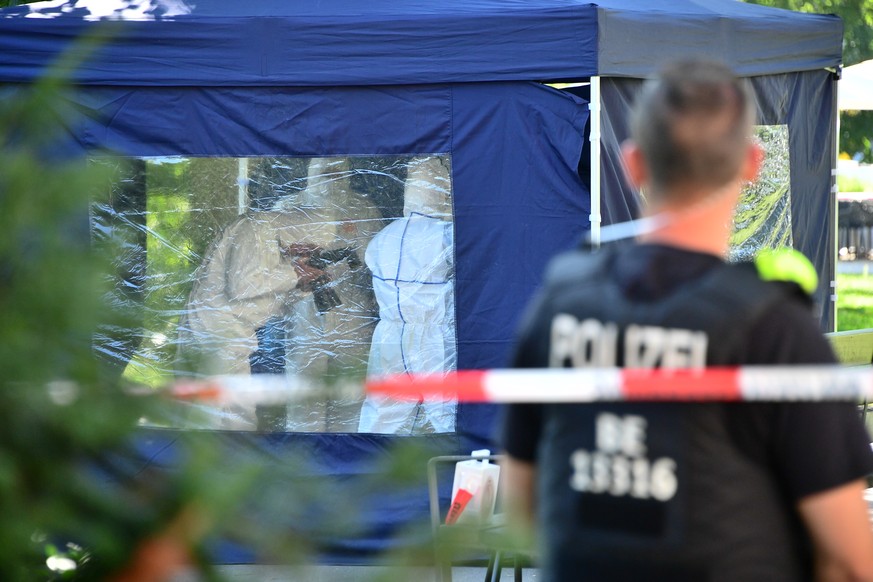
591 343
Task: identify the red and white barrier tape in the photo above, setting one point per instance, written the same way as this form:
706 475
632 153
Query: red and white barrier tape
809 383
258 389
751 383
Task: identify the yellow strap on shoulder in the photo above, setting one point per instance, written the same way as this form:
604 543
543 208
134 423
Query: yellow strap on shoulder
787 264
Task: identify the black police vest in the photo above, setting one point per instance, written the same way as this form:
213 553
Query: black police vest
658 491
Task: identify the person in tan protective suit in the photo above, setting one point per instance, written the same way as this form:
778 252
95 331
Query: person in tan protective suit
330 339
412 263
252 273
248 276
297 269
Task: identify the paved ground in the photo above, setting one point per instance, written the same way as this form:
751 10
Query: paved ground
351 574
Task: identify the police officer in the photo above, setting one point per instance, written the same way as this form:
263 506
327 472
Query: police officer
672 491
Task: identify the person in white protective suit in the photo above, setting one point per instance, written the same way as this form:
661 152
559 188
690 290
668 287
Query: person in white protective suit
254 271
412 262
330 339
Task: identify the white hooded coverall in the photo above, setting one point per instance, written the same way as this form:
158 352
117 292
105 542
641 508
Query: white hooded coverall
412 262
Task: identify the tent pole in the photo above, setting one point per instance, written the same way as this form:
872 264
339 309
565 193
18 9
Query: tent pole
594 107
242 183
835 209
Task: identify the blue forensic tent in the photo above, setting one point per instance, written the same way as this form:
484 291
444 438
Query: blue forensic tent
463 79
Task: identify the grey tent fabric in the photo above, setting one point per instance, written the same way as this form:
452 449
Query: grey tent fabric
635 37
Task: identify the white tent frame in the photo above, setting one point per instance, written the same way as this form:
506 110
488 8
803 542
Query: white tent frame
594 107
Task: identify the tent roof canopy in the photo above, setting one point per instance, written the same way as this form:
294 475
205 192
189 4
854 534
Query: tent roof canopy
378 42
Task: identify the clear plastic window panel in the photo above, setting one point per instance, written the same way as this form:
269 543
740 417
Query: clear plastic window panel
325 270
763 217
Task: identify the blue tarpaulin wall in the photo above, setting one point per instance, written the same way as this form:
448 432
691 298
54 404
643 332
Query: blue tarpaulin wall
339 77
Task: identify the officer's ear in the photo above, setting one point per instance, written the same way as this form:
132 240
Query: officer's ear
634 164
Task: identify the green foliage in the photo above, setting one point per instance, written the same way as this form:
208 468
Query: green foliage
854 301
853 184
65 421
856 131
7 3
58 411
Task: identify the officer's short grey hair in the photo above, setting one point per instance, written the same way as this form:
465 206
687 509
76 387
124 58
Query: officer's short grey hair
692 123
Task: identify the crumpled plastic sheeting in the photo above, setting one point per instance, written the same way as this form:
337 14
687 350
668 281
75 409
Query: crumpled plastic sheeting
763 217
259 266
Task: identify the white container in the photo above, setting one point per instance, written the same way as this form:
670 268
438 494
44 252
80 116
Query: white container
479 478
